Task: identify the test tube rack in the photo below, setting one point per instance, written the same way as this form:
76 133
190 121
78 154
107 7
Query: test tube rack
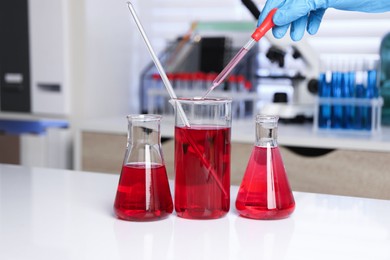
355 115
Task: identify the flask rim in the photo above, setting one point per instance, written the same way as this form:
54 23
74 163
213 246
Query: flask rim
260 118
144 117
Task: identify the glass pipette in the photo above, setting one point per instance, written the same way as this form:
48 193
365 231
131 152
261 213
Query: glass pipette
156 61
255 37
172 94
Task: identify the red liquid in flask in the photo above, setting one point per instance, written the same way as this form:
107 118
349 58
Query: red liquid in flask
143 193
265 192
197 195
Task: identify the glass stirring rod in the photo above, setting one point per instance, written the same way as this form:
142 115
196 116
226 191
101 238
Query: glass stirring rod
255 37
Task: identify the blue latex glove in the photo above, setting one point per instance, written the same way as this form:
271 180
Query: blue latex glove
307 14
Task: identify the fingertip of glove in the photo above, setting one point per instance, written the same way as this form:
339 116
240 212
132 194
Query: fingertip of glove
312 29
280 18
278 34
296 39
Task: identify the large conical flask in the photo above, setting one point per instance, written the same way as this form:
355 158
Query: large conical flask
143 191
265 192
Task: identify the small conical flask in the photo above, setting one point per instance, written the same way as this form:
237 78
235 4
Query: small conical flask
143 191
265 192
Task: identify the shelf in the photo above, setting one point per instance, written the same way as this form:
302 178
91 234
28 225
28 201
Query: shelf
243 131
29 116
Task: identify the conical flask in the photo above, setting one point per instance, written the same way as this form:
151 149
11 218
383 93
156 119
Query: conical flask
143 191
265 192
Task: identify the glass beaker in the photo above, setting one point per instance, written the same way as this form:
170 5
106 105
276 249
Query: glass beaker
143 191
265 192
202 158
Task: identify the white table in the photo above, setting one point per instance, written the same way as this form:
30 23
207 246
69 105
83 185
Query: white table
57 214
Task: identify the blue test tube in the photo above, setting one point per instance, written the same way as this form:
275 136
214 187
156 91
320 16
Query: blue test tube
336 92
325 80
348 85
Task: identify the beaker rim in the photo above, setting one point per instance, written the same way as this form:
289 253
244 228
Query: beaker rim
199 100
144 117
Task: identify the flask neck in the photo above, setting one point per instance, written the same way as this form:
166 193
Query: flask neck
143 130
266 131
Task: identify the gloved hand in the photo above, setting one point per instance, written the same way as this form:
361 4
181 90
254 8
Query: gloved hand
307 14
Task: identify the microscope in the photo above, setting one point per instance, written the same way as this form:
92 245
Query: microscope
298 105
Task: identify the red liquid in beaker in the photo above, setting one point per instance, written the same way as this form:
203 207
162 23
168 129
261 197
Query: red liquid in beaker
197 195
265 192
143 193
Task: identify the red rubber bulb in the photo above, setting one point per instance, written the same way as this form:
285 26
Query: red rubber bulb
265 26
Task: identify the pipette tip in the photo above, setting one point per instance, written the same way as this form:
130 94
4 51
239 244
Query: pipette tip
205 95
208 92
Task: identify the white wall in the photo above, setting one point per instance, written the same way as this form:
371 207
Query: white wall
104 76
109 75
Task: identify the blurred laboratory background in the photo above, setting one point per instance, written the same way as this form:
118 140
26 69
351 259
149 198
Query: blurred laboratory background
71 70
